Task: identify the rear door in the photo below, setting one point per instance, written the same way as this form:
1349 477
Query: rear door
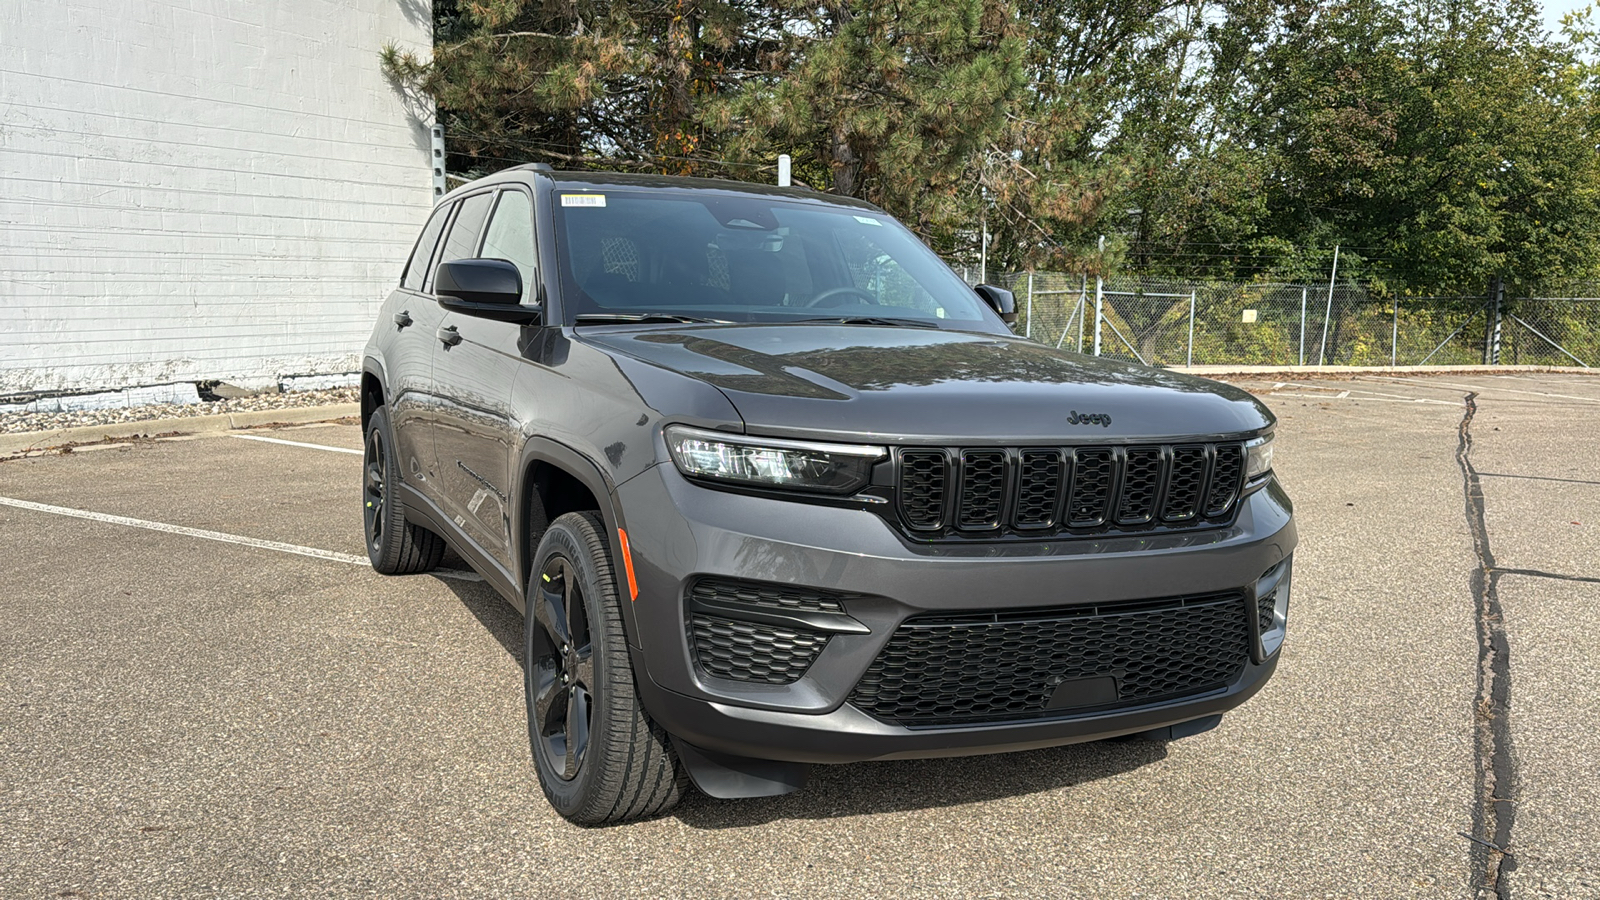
408 357
476 432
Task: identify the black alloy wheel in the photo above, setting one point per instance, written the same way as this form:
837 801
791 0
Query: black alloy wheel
601 758
562 667
373 488
395 545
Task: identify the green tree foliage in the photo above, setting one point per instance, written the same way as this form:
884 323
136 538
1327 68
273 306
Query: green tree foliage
1438 142
891 102
1443 142
583 82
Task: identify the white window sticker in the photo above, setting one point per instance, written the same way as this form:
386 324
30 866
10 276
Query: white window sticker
868 220
583 199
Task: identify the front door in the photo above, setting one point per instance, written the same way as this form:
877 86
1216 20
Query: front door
476 432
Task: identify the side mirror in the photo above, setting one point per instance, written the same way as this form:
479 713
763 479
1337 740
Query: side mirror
486 288
1001 300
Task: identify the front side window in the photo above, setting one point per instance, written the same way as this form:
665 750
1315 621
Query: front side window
417 266
462 242
748 258
510 237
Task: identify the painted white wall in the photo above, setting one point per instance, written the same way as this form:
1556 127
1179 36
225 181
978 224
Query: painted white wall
198 189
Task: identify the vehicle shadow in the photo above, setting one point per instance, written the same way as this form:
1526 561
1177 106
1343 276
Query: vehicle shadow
497 617
836 791
901 785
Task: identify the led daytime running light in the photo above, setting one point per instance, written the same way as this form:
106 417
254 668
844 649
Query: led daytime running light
771 462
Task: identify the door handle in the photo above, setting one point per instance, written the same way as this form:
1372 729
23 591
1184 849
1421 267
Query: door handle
449 336
402 318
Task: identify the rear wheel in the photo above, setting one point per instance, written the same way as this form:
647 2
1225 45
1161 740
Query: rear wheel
394 545
600 757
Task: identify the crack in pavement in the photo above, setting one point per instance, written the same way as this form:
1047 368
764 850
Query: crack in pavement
1494 809
1535 573
1537 478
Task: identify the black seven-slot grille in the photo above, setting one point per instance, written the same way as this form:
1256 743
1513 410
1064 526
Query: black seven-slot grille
1066 490
952 669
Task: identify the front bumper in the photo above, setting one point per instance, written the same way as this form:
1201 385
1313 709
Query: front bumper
680 531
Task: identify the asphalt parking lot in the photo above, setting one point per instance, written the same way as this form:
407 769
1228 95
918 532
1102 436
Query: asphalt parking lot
205 692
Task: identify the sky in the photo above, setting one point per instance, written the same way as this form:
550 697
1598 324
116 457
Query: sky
1555 9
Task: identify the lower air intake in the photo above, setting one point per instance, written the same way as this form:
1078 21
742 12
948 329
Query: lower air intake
753 651
982 667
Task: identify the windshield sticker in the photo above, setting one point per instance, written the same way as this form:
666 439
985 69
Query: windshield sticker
585 200
868 220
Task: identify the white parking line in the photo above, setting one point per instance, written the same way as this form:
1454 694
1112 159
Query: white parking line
1483 390
267 440
1345 396
223 537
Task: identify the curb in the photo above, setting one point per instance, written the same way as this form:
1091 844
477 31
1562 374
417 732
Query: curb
1213 371
21 442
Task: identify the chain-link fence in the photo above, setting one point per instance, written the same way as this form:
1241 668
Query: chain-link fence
1175 322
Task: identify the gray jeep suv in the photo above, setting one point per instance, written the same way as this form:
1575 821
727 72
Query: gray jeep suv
773 487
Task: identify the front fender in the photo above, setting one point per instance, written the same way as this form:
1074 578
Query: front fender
592 476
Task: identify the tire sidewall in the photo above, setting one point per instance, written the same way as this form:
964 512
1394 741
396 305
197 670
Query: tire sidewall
382 558
565 538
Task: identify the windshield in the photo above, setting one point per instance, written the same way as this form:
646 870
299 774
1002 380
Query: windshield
647 256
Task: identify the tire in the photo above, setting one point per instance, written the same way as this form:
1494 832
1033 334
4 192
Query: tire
394 545
600 758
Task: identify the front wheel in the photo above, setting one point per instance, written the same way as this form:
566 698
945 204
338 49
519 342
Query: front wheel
600 757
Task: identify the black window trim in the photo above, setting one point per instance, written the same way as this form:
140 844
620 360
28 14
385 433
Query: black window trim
448 211
444 236
533 225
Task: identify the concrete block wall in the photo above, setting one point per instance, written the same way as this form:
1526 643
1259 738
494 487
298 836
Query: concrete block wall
201 189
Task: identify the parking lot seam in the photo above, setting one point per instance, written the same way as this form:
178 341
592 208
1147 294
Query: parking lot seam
1494 809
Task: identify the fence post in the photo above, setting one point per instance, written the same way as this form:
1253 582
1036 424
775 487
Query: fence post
1190 362
1491 330
1302 326
1327 314
1394 339
1028 331
1083 300
1099 284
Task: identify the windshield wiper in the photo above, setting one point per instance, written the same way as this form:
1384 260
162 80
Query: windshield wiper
872 320
634 318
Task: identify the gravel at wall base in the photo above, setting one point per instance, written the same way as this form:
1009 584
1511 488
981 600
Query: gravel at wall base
11 423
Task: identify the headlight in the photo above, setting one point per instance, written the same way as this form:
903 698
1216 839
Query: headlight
1260 461
770 462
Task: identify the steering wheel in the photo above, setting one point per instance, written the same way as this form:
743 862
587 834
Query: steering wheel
833 293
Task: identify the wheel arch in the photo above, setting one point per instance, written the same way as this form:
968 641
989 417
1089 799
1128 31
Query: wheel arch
372 389
554 479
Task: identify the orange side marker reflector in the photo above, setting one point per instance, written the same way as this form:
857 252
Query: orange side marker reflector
627 563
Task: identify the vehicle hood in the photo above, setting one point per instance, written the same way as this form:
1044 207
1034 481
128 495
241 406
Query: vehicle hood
907 385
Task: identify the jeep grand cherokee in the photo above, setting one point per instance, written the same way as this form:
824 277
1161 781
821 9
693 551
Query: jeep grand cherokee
773 487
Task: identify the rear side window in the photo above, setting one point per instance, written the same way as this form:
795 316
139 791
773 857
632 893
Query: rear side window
417 266
510 237
462 241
